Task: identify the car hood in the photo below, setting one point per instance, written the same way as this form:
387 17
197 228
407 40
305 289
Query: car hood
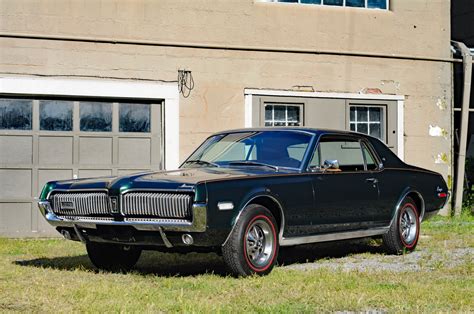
181 179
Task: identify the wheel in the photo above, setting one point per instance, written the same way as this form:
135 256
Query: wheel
113 257
252 247
404 232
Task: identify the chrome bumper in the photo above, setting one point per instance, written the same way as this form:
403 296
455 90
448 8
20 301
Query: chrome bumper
199 214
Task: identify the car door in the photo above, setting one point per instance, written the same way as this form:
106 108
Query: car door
346 195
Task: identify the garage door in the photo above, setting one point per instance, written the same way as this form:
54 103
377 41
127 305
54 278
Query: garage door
51 139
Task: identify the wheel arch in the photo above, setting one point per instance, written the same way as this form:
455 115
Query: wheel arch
269 201
417 198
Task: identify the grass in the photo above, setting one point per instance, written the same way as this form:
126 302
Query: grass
55 275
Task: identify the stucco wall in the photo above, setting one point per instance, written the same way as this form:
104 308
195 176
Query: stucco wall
412 28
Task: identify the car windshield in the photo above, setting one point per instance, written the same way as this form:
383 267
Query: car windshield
272 149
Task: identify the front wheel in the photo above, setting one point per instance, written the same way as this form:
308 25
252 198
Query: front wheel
405 230
113 257
252 246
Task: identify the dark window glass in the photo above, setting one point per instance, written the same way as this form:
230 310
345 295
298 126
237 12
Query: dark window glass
134 118
334 2
96 116
15 114
282 115
370 160
377 4
282 149
311 1
348 153
292 1
355 3
55 115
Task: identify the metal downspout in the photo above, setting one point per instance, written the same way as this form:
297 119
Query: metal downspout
467 69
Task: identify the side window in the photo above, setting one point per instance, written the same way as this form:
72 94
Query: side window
369 158
347 152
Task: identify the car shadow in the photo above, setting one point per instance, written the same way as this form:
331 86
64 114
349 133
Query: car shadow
193 264
336 249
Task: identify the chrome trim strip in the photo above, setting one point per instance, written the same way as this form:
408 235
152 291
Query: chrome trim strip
280 234
333 236
76 190
198 224
400 201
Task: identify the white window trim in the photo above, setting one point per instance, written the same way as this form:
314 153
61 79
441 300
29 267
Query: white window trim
113 89
250 92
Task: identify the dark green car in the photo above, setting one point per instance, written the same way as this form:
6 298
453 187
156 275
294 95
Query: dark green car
245 193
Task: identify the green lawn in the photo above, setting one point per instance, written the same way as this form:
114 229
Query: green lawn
55 275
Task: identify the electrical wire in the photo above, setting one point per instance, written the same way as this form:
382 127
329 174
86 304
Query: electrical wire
185 82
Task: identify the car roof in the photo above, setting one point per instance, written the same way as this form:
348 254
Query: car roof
315 131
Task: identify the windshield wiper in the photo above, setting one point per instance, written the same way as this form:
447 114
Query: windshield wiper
253 163
202 162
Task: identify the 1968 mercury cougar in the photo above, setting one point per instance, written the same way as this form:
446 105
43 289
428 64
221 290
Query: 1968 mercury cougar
245 193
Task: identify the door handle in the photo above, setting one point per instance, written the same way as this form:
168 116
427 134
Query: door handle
372 180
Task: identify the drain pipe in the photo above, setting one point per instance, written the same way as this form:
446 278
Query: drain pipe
467 70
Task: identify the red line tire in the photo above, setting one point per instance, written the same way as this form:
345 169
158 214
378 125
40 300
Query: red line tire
252 246
404 232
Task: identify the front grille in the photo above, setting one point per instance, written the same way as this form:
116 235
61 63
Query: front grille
81 204
161 205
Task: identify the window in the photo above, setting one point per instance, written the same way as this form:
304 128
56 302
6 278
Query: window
369 158
283 115
55 115
281 149
369 4
368 120
96 117
15 114
134 118
347 152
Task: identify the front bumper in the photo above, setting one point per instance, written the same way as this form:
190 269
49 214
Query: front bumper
198 224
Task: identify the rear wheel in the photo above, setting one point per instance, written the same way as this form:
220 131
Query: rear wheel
113 257
404 232
253 244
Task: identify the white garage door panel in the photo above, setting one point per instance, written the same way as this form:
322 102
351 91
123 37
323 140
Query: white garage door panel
135 151
15 218
90 173
15 183
16 149
45 175
95 150
59 144
123 172
55 150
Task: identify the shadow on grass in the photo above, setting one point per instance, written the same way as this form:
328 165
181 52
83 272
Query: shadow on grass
192 264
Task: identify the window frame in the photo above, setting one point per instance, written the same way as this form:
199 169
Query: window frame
340 137
366 4
383 123
285 104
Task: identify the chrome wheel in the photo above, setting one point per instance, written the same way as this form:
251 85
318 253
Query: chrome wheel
259 241
408 225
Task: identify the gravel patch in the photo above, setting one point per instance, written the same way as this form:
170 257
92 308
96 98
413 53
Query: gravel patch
373 259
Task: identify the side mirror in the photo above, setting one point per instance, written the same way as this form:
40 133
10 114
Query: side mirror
330 164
